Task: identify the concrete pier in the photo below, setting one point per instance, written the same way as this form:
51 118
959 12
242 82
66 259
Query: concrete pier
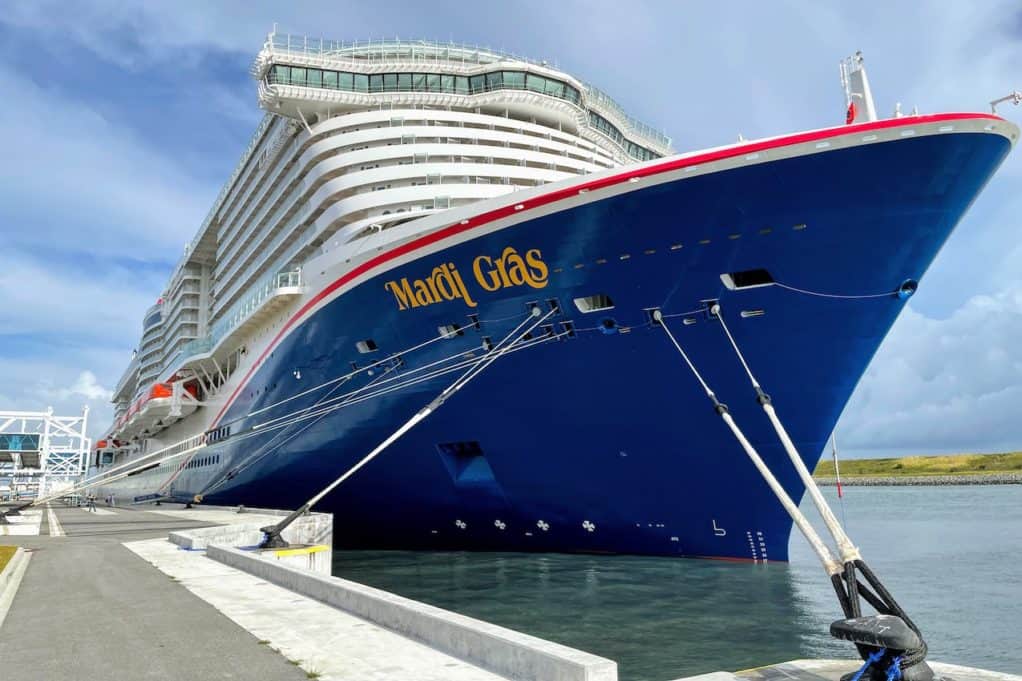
88 608
122 593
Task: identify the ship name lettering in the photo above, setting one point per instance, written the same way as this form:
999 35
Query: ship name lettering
510 269
443 283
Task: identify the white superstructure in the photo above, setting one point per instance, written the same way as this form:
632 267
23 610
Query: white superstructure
358 138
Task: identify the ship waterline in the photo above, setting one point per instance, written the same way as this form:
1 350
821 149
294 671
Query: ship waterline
589 435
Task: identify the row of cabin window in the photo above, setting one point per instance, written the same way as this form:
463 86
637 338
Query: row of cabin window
437 82
422 82
220 433
204 461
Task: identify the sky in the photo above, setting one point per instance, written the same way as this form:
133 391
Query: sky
122 120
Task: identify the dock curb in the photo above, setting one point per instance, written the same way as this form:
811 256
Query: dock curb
10 580
312 528
500 650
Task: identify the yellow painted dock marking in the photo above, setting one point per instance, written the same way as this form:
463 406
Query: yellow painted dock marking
302 551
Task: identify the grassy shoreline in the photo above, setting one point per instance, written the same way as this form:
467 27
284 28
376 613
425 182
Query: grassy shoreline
919 466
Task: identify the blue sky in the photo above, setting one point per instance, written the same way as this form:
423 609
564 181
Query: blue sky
120 123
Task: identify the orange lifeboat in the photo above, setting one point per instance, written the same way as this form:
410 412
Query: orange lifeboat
157 409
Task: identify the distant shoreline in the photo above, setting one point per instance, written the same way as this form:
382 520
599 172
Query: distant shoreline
948 469
922 480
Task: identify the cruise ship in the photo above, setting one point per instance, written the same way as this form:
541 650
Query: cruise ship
408 211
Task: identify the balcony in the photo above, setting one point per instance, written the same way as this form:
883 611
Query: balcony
265 299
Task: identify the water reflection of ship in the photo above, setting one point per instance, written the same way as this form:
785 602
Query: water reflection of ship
659 618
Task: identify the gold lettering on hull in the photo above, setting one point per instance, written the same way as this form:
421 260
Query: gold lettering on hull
444 283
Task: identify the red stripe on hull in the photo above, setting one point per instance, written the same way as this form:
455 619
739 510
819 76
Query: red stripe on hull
570 192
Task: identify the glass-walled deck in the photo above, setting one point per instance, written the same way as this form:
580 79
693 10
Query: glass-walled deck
283 74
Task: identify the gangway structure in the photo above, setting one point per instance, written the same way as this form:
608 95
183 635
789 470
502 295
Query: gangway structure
40 452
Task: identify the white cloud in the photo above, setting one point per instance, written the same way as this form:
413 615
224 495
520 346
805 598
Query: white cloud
73 180
948 376
87 386
133 36
67 334
39 382
944 385
101 307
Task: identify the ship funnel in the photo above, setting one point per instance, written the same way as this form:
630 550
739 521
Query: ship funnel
858 97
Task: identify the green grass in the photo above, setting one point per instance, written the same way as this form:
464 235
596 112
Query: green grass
952 464
6 553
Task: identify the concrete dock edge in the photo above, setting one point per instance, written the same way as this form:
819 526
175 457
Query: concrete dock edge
312 528
503 651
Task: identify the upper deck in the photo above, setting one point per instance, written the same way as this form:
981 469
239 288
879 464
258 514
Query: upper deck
360 138
334 72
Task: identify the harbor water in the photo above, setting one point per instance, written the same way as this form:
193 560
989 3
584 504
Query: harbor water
949 554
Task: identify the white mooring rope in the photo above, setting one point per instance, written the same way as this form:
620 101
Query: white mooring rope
435 404
830 563
191 445
849 552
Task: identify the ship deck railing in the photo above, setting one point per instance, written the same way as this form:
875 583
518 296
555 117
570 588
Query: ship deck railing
437 53
266 298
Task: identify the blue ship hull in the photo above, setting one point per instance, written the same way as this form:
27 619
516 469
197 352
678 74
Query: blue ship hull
603 441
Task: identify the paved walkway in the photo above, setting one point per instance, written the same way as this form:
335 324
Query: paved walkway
325 640
88 608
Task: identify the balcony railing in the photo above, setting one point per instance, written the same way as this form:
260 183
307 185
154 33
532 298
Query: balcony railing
233 283
256 138
242 310
594 95
392 50
437 53
195 347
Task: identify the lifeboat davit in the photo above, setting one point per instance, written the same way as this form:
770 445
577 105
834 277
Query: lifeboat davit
162 405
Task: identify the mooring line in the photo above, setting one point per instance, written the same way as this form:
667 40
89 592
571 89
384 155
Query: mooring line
273 538
848 551
830 563
265 450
